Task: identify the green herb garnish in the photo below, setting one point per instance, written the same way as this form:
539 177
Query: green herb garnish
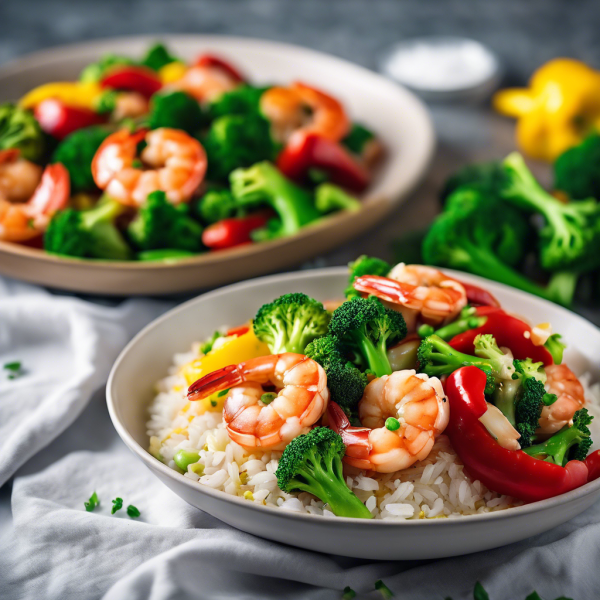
117 505
15 369
133 512
91 504
222 393
349 593
383 589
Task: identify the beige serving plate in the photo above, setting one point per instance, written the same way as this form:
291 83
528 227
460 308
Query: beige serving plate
398 117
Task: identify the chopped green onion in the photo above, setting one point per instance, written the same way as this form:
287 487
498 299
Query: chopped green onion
349 593
392 424
383 589
425 331
15 369
198 469
133 512
268 397
91 504
479 592
184 458
222 393
213 402
117 505
207 346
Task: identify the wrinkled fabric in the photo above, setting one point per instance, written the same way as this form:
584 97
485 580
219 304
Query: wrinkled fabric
54 423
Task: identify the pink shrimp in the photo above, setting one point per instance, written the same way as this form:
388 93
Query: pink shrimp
178 164
270 421
206 82
18 177
417 408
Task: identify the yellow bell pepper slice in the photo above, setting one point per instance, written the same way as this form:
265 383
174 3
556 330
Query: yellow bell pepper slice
232 352
172 72
72 93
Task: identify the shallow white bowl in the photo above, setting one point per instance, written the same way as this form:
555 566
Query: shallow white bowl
148 356
395 114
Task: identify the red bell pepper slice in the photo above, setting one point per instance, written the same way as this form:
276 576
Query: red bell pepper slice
510 472
142 80
59 120
508 331
210 60
233 232
478 296
237 331
305 151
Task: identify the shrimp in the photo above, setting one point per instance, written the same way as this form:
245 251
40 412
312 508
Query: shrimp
256 419
206 82
24 221
417 292
178 164
129 105
560 380
419 405
304 108
18 177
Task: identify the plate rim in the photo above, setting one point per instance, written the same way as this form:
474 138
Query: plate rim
154 464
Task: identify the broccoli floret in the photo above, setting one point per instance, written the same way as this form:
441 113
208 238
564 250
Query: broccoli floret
555 347
330 198
485 238
19 129
263 183
436 358
358 137
236 141
290 323
165 255
94 72
89 233
157 57
571 236
365 265
217 205
313 463
243 100
159 224
76 153
346 383
577 171
366 327
487 177
570 443
176 110
468 319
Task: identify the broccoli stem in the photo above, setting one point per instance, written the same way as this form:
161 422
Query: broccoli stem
449 357
468 321
504 398
376 355
555 449
107 210
562 286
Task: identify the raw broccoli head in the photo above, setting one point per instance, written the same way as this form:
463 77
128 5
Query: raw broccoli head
88 234
290 323
346 383
159 224
264 184
237 141
76 153
19 129
366 327
313 463
577 171
176 110
365 265
157 57
216 205
570 443
94 72
331 198
243 100
487 177
571 236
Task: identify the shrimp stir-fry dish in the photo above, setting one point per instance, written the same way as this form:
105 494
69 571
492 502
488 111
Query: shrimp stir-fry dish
418 396
159 159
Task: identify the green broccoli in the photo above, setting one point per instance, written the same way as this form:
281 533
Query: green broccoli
577 171
237 141
357 138
157 57
76 153
216 205
487 177
243 100
89 233
571 236
19 129
94 72
366 327
365 265
158 224
486 238
331 198
313 463
346 383
468 319
436 358
263 183
290 323
555 347
570 443
164 255
176 110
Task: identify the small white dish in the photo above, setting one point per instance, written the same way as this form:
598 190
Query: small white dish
148 356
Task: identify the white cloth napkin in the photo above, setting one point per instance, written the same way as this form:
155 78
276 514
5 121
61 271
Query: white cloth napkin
54 424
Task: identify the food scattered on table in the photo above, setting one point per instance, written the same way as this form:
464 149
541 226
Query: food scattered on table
359 409
159 160
14 369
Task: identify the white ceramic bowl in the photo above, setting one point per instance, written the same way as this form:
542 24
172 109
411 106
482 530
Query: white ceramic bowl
395 114
148 356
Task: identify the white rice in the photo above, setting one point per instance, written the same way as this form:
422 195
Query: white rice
434 488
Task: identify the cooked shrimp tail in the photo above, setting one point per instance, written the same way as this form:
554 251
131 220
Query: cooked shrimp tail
215 382
356 439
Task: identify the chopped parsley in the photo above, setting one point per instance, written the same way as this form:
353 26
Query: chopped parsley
91 504
383 589
349 593
133 512
15 369
117 505
222 393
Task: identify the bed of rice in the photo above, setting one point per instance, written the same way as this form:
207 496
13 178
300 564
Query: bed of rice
434 488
